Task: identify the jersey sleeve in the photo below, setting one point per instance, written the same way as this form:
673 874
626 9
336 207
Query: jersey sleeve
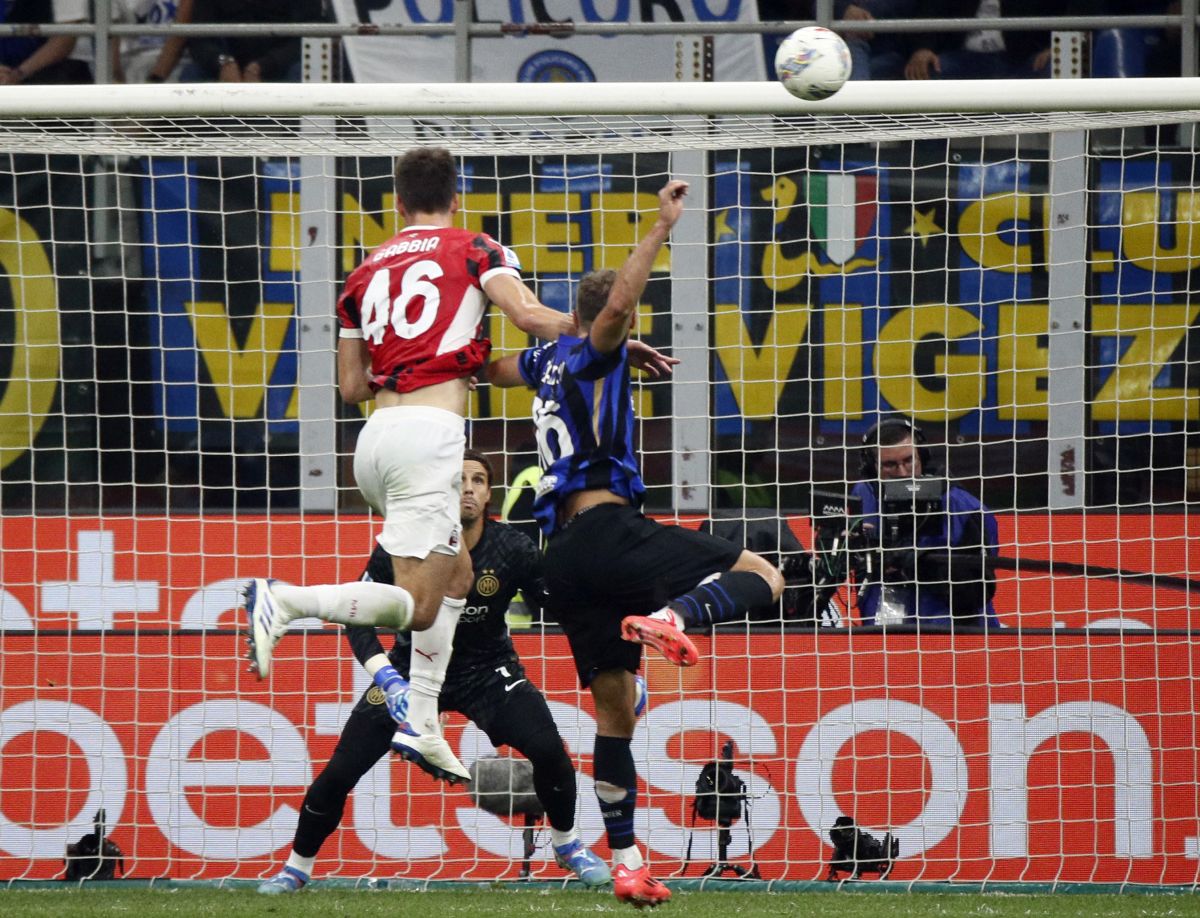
490 258
531 362
583 361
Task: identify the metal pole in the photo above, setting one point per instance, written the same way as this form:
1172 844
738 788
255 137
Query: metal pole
691 426
462 40
1187 38
1066 384
102 41
824 12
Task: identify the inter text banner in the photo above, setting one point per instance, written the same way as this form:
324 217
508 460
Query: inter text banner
529 58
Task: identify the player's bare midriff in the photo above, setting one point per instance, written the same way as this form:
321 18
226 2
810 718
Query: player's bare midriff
450 395
581 500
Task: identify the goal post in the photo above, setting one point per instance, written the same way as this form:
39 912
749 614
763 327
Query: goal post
1011 265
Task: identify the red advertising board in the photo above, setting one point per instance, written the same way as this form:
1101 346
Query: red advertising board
93 574
1056 755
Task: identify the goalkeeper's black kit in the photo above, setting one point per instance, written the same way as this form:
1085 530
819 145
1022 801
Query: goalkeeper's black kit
485 682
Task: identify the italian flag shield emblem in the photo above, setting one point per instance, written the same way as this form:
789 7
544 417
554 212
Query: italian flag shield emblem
842 211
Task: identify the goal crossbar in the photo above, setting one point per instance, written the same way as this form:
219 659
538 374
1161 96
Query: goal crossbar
299 119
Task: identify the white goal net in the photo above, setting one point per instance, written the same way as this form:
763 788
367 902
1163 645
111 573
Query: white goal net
1008 265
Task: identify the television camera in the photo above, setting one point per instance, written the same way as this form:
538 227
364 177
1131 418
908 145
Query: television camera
848 546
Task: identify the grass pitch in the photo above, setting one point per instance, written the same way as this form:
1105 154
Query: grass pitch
132 902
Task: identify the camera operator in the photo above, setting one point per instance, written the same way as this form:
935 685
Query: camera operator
930 545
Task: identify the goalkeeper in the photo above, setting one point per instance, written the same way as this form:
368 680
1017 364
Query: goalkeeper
485 682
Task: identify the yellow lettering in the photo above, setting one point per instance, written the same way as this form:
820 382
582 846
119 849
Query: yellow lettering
283 255
1141 236
543 223
240 373
1129 394
624 219
758 373
1023 362
34 373
474 207
361 232
842 387
960 375
980 227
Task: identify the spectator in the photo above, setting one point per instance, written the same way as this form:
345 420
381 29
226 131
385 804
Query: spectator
34 59
985 53
1128 52
241 58
933 563
780 11
876 55
149 58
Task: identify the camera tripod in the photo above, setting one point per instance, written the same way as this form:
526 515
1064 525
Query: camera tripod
723 865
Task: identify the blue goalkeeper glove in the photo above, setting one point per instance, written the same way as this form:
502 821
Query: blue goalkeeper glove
395 691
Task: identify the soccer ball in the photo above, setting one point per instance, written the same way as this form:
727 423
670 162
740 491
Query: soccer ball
812 63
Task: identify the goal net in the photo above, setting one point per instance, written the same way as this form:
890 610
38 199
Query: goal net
1008 265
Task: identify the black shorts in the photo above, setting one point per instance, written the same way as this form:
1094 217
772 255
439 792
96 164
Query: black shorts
611 561
500 701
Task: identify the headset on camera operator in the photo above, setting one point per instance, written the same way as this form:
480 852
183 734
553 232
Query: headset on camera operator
930 544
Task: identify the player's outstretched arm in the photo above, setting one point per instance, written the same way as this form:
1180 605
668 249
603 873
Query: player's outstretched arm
612 324
523 309
505 372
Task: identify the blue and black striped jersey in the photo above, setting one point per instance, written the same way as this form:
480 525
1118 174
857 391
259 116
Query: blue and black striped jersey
584 416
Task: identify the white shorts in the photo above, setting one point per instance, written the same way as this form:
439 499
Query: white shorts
408 464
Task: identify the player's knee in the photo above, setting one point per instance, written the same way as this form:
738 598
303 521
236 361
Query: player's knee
461 582
425 612
774 579
757 564
545 749
328 793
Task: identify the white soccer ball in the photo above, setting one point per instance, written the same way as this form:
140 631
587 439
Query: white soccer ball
813 63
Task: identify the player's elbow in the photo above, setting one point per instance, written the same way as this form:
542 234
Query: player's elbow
352 394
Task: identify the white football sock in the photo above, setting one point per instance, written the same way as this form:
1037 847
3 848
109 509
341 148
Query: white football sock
359 603
628 857
670 616
558 839
303 864
431 651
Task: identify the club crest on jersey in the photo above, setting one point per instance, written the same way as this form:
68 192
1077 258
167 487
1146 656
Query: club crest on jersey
488 584
376 695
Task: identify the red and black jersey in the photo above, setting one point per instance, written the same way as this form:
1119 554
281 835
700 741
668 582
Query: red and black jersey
418 301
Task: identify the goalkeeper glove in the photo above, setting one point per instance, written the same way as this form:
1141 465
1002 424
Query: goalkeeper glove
395 691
